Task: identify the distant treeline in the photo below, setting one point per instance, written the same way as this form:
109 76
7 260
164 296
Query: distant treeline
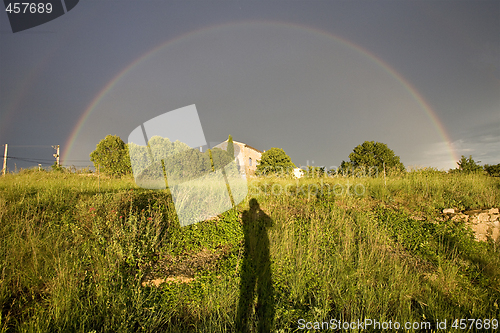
180 162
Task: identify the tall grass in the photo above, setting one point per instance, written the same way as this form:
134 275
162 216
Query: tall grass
78 256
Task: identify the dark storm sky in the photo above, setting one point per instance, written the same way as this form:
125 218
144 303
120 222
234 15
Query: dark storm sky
315 78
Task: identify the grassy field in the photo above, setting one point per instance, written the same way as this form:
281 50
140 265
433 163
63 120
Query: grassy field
78 256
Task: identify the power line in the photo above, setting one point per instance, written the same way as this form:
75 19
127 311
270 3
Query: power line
41 161
29 160
44 159
21 158
30 146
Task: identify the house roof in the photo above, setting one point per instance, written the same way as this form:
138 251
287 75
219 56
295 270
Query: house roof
244 144
253 148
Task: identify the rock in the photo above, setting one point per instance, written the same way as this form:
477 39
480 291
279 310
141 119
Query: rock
495 233
460 217
473 219
483 222
483 217
476 211
480 230
151 283
170 279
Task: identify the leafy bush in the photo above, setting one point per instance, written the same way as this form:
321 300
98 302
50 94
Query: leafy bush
468 165
111 156
372 154
275 161
492 170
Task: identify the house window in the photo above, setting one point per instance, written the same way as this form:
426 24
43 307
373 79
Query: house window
250 161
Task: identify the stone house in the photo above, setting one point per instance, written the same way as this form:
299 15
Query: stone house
247 156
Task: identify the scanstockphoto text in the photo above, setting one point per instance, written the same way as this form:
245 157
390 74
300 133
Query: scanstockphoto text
324 186
308 190
312 171
373 324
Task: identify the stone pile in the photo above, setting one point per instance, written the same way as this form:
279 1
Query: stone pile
484 222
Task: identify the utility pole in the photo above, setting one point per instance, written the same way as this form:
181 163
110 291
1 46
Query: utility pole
4 169
56 155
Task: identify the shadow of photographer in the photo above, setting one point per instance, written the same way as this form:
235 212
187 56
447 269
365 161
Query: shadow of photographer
256 278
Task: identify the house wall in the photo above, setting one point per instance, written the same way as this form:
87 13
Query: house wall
244 153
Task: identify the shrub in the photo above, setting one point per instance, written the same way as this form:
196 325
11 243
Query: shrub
372 154
275 161
111 156
492 170
468 165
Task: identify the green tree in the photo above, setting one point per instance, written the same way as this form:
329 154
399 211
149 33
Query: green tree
230 146
275 161
57 168
220 158
468 165
111 156
492 170
374 155
180 161
315 171
345 169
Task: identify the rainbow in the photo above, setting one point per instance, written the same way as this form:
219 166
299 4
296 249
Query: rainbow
407 85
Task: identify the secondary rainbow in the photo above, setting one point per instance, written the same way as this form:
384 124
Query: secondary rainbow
408 86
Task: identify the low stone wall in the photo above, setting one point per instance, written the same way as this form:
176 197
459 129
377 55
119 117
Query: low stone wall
484 222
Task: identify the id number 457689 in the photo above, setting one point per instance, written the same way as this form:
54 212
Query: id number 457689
486 324
29 7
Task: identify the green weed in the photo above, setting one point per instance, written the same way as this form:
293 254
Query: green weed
80 254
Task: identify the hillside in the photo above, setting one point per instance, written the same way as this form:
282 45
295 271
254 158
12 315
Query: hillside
78 256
